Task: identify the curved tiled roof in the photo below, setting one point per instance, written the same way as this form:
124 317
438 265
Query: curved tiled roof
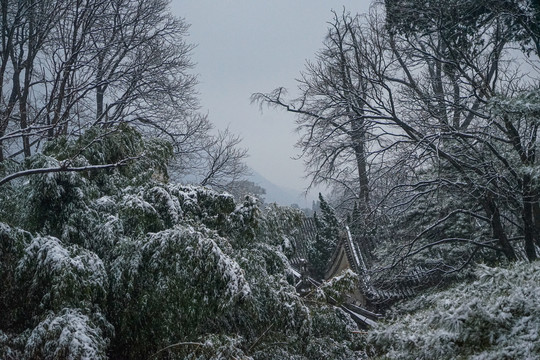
348 254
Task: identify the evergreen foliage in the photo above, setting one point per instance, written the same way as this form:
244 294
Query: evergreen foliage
433 239
116 264
462 18
328 231
493 317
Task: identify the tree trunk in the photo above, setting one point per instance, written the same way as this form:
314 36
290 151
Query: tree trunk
354 94
28 64
24 127
530 231
23 106
494 215
359 145
536 216
100 89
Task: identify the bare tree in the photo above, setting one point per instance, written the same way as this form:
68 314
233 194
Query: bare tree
223 161
331 109
445 94
435 80
68 66
91 62
26 28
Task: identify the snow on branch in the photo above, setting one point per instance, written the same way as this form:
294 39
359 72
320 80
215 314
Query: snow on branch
64 167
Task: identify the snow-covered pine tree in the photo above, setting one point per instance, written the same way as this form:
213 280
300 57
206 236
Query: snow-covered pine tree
328 231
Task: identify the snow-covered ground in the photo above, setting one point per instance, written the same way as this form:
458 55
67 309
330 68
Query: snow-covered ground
496 316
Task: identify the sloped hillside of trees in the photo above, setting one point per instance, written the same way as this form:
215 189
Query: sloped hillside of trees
115 264
493 317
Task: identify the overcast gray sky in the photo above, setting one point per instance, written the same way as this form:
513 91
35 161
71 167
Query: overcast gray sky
248 46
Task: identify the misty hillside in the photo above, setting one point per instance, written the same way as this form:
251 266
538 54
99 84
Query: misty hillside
281 195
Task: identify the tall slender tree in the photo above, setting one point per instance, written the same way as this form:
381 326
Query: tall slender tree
331 109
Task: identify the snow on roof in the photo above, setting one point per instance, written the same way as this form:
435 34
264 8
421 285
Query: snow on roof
362 318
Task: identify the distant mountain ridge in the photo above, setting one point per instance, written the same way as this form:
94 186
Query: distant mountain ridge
279 194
